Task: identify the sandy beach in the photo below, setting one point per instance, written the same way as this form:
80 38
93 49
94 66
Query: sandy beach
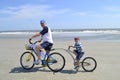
105 52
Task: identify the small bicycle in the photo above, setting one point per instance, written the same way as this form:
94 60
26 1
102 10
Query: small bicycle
54 61
89 64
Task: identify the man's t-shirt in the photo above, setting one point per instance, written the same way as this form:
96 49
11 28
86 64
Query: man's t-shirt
46 35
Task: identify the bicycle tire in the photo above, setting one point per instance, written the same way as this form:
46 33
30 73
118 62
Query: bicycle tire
60 62
87 66
27 64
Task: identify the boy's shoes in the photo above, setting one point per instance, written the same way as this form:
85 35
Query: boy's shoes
76 68
38 62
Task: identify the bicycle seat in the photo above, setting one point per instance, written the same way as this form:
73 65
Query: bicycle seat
52 49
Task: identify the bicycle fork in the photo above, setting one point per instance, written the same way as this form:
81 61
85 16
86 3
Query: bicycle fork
29 56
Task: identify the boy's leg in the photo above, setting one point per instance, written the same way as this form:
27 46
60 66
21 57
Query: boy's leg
78 64
78 59
79 56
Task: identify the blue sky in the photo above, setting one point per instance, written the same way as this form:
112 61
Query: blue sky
59 14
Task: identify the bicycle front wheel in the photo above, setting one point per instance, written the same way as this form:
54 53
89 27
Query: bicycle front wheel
89 64
27 60
56 62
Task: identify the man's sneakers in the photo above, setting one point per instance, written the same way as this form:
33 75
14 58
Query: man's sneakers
38 62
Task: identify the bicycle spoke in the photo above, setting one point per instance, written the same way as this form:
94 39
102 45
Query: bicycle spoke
27 60
57 62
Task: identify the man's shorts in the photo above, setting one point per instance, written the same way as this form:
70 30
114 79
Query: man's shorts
46 45
79 54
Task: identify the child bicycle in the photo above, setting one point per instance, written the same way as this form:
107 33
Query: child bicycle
89 64
54 61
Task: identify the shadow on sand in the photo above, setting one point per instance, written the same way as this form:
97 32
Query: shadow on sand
21 70
71 71
42 69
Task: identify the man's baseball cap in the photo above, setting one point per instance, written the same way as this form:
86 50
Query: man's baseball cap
42 21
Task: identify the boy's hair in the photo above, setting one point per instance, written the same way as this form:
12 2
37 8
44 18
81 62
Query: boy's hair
76 38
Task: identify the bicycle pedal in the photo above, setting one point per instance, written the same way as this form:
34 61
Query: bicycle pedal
44 65
44 62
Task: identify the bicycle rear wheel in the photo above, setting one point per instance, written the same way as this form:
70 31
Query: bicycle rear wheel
56 62
27 60
89 64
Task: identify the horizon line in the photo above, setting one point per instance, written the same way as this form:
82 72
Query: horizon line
70 29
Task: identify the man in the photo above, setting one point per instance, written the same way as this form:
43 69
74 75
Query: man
46 38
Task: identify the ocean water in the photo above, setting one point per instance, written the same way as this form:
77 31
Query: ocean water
86 36
68 34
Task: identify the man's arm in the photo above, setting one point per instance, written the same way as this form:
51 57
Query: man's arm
36 35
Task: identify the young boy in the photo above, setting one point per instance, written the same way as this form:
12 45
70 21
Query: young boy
78 51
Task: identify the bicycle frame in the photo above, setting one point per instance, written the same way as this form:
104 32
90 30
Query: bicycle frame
66 50
46 54
35 54
54 61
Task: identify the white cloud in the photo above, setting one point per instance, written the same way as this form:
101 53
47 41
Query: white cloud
31 11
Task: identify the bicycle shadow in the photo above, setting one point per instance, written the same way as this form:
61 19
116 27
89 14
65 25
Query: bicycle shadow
41 69
71 71
21 70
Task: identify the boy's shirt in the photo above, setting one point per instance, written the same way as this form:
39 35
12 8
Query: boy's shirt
78 46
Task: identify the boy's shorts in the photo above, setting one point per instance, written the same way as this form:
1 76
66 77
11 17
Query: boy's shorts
46 45
79 54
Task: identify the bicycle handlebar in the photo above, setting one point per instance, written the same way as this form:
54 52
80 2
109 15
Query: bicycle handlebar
34 42
68 47
30 41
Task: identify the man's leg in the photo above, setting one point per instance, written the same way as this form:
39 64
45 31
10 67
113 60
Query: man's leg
38 48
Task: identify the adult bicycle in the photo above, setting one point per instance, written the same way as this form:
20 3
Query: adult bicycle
54 61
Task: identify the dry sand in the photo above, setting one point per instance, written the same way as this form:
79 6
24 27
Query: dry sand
107 54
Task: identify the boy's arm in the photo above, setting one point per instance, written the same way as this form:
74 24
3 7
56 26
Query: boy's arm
71 46
81 49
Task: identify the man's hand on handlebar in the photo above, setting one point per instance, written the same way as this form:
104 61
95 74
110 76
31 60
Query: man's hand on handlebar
39 40
30 40
34 42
